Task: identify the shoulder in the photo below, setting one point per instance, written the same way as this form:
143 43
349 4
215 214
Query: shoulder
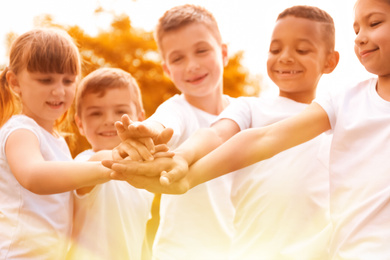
18 122
175 102
174 109
354 89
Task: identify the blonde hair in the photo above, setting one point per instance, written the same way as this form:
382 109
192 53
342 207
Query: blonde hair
39 50
181 16
103 79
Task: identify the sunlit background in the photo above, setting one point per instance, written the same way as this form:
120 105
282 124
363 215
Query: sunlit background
245 25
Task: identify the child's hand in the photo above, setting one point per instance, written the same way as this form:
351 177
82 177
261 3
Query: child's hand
126 150
166 175
128 129
162 151
133 150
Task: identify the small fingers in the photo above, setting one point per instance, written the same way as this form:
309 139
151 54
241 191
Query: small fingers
161 148
107 163
117 176
126 121
148 142
143 151
164 179
135 149
126 150
116 155
172 176
167 154
165 136
119 126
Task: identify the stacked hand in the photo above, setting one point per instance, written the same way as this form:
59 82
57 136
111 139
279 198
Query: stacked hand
143 159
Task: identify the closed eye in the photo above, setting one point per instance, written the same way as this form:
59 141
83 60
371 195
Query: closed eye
45 80
303 52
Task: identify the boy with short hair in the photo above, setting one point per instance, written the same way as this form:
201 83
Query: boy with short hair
198 224
109 219
281 203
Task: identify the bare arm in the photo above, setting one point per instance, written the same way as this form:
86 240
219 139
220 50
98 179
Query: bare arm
205 140
257 144
199 144
99 156
47 177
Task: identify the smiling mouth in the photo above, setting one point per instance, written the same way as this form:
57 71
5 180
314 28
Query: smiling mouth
367 52
196 79
288 72
108 133
55 103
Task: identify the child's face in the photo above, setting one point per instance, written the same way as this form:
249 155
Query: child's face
99 113
194 60
297 57
45 96
372 28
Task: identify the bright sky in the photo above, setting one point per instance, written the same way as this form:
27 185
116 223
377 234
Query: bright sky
245 25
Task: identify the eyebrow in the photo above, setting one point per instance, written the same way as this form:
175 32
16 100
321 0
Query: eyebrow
100 107
298 40
196 45
368 16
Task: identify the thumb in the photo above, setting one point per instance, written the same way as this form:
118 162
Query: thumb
165 136
107 163
167 178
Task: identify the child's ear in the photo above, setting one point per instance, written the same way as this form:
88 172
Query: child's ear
331 62
225 56
79 124
165 69
13 81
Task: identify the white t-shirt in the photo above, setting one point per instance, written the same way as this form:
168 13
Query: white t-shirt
359 173
197 224
281 203
110 221
33 226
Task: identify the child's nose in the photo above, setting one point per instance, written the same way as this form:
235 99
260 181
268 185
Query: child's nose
58 89
109 119
286 57
361 38
192 65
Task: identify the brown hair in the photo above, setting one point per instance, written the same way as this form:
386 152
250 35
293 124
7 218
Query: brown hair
103 79
314 14
181 16
39 50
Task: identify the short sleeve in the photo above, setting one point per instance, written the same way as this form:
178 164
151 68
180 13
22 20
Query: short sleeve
327 103
15 123
239 111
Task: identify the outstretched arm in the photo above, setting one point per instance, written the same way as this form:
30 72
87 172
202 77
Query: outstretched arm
256 144
199 144
243 149
47 177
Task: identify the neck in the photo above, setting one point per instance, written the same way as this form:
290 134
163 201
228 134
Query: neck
383 87
212 104
301 97
48 125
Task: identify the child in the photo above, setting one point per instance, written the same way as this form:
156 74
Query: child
359 119
109 219
194 58
282 203
37 88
